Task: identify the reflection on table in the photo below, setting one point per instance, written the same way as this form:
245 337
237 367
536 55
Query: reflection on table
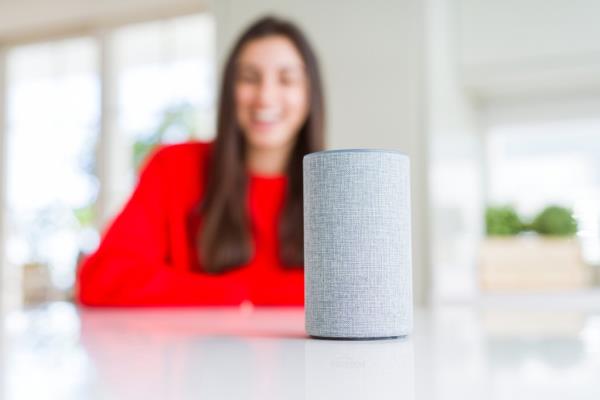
61 352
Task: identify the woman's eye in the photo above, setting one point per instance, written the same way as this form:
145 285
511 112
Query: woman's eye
248 77
289 79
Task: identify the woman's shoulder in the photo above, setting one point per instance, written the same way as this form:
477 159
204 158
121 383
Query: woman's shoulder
181 154
192 149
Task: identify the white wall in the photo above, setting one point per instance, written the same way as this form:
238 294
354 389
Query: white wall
371 53
546 109
455 162
502 32
2 180
524 47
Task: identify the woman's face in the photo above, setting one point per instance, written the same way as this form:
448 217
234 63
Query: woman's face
271 93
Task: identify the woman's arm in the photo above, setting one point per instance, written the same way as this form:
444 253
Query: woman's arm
131 266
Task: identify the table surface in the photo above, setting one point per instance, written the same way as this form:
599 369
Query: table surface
58 351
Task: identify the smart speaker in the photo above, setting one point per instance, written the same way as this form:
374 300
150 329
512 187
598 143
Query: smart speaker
357 244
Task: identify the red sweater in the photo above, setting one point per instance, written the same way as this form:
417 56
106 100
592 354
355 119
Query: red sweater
147 254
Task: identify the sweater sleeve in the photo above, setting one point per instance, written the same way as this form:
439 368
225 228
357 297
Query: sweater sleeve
131 266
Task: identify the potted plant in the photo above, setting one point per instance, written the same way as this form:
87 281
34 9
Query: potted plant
543 254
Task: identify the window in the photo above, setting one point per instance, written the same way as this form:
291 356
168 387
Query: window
536 164
165 78
52 123
158 82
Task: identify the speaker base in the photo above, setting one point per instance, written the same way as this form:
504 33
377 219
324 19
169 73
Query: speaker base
356 338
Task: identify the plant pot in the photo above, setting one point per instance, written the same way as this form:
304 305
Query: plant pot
525 263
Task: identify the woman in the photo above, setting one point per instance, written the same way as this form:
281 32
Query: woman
221 223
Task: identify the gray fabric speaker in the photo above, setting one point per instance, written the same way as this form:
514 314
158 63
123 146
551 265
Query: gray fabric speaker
357 244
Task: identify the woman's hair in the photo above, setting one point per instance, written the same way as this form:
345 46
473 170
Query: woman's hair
224 239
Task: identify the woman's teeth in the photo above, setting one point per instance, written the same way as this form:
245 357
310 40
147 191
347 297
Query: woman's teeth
267 116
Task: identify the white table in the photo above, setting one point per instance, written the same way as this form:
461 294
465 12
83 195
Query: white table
60 352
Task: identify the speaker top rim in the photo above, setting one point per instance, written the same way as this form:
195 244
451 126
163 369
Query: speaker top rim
355 150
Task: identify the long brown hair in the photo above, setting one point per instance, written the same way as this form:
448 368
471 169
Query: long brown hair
224 239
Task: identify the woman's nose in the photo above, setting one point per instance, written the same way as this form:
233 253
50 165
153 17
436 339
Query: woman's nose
267 92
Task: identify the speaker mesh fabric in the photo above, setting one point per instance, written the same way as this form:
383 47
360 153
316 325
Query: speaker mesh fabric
357 244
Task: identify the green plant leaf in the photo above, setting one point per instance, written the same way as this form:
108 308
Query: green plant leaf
555 221
502 221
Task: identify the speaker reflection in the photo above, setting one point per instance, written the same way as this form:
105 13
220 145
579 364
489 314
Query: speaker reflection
380 369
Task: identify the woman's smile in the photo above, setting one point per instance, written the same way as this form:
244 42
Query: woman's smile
266 119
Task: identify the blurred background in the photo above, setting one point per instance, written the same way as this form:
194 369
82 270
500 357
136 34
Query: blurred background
497 103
